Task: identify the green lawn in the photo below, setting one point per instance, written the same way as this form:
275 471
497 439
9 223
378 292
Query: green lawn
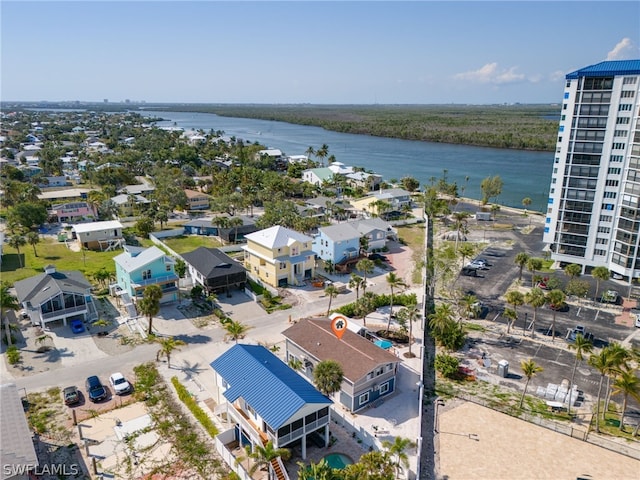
189 243
55 253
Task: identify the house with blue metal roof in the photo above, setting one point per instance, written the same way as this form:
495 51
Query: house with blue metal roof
264 400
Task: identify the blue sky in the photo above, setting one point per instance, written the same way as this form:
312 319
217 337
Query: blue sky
307 52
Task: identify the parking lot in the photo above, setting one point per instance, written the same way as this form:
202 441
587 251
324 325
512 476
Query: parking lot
604 321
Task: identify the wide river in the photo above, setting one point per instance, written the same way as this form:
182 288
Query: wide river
524 173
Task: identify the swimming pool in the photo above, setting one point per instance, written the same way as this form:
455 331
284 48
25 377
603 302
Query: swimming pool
338 460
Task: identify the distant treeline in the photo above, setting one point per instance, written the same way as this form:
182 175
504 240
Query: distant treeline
521 127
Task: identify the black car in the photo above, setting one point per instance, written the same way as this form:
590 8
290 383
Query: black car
377 256
95 389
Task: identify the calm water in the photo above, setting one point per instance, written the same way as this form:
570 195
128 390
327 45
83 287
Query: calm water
525 174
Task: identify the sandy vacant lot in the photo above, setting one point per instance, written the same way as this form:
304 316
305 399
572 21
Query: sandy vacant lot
511 449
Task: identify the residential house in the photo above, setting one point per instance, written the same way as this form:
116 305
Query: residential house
341 243
396 199
368 181
72 212
66 195
317 176
55 181
129 205
214 270
279 256
339 168
17 451
208 226
143 188
196 200
102 236
264 400
370 372
137 268
56 296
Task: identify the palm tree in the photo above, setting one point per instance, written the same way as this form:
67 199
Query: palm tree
459 224
511 315
356 282
603 362
469 304
33 239
332 292
555 298
465 251
412 314
235 222
627 383
398 448
295 363
149 305
573 270
236 330
536 299
363 243
515 298
620 357
600 274
308 152
367 267
582 346
322 152
262 457
521 260
167 346
530 369
17 241
441 318
328 376
394 282
316 471
7 302
533 265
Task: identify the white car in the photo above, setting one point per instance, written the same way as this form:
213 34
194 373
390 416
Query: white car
119 383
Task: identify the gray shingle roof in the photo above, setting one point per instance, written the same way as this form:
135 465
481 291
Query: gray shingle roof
16 445
40 288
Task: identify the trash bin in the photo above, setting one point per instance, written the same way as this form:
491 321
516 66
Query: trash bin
503 368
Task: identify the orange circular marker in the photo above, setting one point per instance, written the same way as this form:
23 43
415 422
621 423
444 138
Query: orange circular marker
339 325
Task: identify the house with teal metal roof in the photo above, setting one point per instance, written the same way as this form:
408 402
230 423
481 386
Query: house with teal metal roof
264 400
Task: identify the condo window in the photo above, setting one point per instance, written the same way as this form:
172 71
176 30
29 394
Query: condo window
628 94
601 253
625 107
629 80
620 133
622 120
614 171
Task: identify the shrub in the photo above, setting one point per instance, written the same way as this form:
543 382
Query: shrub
192 405
13 355
447 365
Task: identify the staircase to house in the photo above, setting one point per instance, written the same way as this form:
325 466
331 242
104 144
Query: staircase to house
278 469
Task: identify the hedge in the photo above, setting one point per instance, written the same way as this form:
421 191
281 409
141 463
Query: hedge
199 413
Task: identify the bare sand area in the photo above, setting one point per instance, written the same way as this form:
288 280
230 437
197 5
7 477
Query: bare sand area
477 443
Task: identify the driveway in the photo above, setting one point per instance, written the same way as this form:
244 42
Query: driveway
74 348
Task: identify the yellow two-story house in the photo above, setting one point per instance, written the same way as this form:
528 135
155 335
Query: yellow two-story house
279 256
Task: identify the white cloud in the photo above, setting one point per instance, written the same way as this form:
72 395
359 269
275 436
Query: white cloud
490 73
624 50
557 75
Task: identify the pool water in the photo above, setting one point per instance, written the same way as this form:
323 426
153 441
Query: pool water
338 460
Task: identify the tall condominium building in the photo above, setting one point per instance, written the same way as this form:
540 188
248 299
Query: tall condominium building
593 215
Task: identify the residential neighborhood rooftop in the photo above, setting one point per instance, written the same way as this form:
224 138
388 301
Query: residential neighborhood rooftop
265 382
